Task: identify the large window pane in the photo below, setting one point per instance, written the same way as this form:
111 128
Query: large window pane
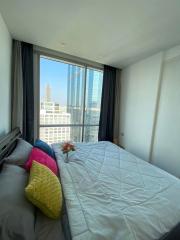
93 96
70 99
61 92
60 134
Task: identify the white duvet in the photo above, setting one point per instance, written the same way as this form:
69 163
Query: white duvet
111 194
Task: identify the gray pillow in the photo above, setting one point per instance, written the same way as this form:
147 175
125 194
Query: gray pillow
17 214
20 154
47 228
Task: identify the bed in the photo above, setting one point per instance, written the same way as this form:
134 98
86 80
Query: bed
109 194
112 194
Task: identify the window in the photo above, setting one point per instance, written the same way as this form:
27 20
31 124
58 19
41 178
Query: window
70 98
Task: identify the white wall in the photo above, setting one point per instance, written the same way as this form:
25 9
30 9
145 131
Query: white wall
5 78
166 147
139 87
150 115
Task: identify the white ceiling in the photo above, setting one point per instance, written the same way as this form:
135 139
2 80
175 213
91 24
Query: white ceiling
114 32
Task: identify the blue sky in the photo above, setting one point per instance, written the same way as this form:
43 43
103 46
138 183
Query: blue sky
55 73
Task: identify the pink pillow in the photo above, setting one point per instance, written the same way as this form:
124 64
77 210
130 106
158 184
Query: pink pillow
43 158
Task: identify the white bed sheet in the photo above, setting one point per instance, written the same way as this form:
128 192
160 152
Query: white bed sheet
112 194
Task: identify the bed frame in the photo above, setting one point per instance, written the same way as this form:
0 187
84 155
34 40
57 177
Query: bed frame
8 143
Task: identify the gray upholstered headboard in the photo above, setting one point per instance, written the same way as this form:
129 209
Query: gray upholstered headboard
7 143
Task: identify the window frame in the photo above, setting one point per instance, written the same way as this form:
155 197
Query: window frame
62 57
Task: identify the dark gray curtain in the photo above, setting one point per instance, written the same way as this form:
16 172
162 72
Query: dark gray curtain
23 89
106 123
116 137
28 92
17 87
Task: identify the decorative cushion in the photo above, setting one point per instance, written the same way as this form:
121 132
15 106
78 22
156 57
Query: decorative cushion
20 154
44 147
43 158
17 215
44 190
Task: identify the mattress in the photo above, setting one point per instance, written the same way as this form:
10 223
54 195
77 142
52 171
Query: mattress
112 194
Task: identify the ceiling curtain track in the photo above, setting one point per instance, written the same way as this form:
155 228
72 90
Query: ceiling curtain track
23 89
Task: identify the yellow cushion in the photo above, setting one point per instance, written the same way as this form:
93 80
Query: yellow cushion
44 190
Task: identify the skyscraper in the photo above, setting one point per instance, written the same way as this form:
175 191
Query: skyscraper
75 100
75 90
75 93
47 97
90 77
